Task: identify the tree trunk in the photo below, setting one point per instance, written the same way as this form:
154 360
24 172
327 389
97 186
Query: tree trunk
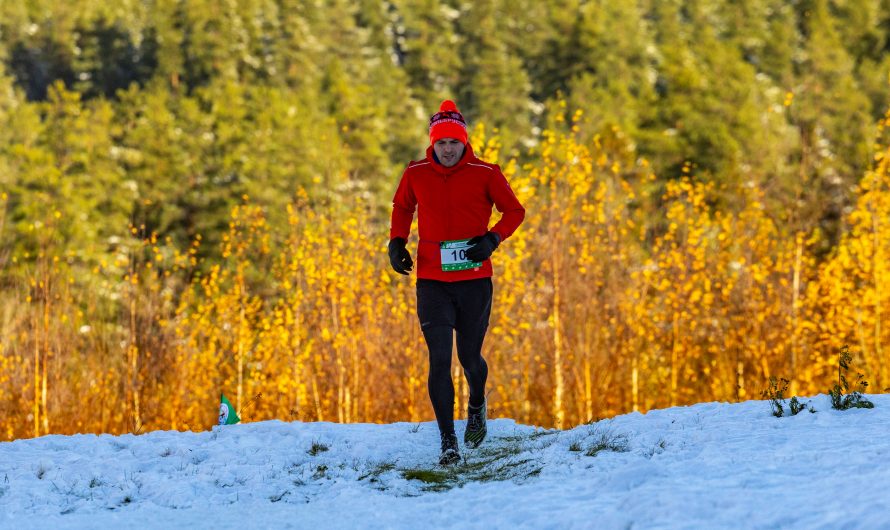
558 383
795 301
674 347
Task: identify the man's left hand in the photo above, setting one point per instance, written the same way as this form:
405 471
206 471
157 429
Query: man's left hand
481 247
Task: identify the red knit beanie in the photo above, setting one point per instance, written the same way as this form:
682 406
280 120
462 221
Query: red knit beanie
448 123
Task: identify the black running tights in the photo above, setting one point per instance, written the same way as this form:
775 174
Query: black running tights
445 309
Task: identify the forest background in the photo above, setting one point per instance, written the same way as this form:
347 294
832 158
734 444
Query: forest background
195 197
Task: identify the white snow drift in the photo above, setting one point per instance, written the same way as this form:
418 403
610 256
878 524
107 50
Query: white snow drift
710 465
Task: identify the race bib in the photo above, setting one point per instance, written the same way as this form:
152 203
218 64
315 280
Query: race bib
454 256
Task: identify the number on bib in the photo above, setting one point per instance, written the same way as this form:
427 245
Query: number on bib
454 256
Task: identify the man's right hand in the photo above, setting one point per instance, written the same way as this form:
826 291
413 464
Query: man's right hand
399 257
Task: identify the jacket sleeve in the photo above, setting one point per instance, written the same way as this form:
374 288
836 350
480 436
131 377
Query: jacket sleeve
403 205
512 212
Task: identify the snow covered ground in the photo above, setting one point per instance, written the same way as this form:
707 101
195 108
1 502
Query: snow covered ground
711 465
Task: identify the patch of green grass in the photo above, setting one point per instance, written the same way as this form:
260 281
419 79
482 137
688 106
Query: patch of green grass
497 450
507 470
435 479
499 459
379 469
527 437
430 476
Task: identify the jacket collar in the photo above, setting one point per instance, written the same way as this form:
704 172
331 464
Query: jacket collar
469 156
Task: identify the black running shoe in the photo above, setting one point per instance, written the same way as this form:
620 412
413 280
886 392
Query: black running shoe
476 425
450 454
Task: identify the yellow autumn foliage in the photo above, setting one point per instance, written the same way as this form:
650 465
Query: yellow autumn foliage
614 295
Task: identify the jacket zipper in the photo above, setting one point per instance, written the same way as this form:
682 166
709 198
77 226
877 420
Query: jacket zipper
447 207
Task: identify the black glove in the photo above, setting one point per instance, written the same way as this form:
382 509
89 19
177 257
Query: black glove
399 257
481 247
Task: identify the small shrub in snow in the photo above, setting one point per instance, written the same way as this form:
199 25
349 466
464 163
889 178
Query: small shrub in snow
657 449
839 399
796 406
279 496
320 472
317 447
607 441
775 394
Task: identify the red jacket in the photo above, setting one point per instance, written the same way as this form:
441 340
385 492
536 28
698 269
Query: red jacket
452 203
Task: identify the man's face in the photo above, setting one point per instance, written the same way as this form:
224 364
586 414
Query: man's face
448 151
